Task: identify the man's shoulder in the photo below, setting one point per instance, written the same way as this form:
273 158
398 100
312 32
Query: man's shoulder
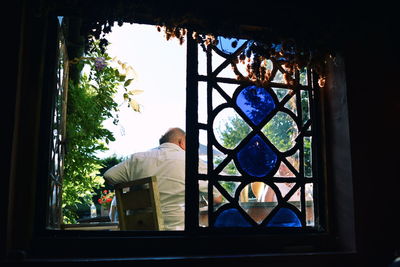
145 154
163 151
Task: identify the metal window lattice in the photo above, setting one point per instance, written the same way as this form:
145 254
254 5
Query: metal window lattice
275 143
57 148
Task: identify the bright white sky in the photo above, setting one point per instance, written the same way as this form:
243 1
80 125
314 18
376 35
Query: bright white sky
160 66
161 69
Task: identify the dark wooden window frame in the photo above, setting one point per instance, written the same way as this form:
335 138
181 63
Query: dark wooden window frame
41 243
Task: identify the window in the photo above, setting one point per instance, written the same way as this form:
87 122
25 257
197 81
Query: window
206 241
262 139
154 71
262 150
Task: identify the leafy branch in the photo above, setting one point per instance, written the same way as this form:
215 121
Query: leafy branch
90 103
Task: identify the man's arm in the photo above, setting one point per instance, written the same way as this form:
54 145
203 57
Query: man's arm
118 173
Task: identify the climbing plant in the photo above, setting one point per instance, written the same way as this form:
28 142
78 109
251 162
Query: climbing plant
91 101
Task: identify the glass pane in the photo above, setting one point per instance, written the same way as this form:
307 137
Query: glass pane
203 204
202 103
305 102
244 195
291 104
281 131
303 76
230 128
285 217
228 88
217 99
226 72
202 152
202 59
278 78
307 157
231 218
258 211
229 169
258 190
229 45
284 189
230 187
256 103
309 205
256 158
217 153
280 93
256 206
284 171
295 198
294 160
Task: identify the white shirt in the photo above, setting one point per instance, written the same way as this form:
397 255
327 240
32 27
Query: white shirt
167 163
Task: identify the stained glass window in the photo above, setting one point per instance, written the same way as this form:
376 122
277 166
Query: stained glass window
260 139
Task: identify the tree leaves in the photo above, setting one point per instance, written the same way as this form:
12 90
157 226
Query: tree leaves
135 92
128 82
134 105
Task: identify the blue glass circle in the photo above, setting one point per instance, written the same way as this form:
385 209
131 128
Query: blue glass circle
284 218
255 102
256 157
231 218
229 45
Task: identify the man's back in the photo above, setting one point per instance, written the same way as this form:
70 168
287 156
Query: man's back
167 163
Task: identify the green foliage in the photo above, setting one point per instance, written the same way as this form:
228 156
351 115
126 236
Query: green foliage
90 103
280 130
109 162
234 131
106 163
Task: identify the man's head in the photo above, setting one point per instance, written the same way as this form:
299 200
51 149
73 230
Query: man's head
176 136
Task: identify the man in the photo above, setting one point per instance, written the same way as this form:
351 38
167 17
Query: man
167 163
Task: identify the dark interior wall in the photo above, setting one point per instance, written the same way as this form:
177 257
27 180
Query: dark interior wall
368 42
373 113
10 48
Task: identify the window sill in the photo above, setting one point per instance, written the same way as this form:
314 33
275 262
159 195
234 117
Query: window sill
311 258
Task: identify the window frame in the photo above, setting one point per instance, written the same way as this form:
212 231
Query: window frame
41 242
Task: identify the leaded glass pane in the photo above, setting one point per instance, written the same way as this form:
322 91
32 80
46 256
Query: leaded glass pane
284 217
281 130
256 103
263 134
307 157
256 158
229 45
202 106
229 128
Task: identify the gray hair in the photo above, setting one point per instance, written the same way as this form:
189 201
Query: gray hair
173 135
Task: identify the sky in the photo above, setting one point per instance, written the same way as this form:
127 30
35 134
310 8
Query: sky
160 68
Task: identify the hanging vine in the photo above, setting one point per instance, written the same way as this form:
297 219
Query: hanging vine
305 45
284 52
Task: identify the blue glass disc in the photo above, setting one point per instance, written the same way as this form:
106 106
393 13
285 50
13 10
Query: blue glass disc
284 218
229 45
255 102
256 157
231 218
